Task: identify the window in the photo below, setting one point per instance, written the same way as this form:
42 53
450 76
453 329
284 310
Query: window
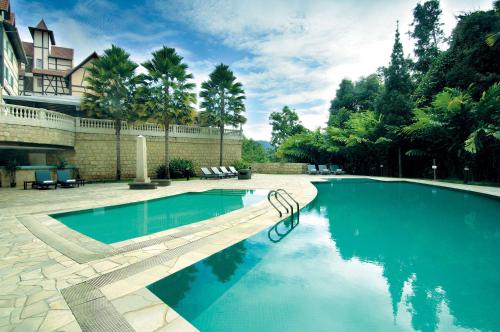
11 80
6 74
39 81
11 55
39 63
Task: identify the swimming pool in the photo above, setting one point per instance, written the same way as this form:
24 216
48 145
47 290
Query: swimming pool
365 256
122 222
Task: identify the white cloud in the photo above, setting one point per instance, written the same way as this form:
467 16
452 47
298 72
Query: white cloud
300 51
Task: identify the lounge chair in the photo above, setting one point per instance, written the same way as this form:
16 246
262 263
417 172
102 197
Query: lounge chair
64 179
43 179
323 169
311 169
226 172
206 174
215 170
232 169
335 169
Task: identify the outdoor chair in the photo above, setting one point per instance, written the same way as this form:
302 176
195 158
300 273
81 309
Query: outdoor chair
226 172
335 169
232 169
323 169
215 170
206 174
64 179
43 179
311 170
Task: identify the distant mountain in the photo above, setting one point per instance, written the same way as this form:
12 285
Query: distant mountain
265 144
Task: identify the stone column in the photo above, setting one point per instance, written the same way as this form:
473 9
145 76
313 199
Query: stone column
142 161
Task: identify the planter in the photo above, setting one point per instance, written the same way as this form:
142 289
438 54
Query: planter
162 182
244 174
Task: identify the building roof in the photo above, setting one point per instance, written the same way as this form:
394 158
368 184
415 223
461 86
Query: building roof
61 52
49 72
15 41
28 48
92 56
4 5
41 26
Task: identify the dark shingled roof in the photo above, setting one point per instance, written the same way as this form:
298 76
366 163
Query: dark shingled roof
61 52
4 5
28 48
41 26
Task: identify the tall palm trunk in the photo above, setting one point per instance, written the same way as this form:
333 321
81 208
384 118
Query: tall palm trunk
118 128
167 157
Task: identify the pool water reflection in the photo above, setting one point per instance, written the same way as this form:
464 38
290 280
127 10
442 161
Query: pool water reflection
366 256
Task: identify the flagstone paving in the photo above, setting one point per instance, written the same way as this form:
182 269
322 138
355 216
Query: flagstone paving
42 289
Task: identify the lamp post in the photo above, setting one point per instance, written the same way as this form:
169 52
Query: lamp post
381 170
466 174
434 168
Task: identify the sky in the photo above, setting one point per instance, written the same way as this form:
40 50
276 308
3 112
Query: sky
284 52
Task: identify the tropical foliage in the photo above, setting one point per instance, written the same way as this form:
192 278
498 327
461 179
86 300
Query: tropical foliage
252 151
284 124
440 105
111 91
167 93
222 102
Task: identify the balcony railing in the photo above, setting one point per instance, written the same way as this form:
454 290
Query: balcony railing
38 117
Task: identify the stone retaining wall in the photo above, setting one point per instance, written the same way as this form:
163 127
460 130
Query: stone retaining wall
95 154
279 168
38 135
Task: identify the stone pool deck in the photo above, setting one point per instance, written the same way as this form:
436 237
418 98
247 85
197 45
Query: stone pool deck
55 279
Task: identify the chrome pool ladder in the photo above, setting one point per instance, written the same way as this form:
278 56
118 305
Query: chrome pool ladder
285 200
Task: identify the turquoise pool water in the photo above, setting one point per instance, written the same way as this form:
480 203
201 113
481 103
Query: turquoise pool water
365 256
122 222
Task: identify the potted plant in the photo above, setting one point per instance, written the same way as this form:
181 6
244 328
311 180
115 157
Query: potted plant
161 176
11 168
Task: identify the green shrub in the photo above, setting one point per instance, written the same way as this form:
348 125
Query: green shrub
178 168
161 172
240 164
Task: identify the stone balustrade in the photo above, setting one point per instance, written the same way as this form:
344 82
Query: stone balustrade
38 117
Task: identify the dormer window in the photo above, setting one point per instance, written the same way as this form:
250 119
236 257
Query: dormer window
39 63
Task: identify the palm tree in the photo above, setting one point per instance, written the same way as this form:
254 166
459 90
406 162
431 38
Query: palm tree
223 101
170 97
111 84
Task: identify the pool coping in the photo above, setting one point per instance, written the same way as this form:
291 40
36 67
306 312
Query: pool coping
83 249
104 291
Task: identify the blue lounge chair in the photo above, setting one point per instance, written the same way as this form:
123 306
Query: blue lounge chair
64 178
43 180
323 169
311 170
335 169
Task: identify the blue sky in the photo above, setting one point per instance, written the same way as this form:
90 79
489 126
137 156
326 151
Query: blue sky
285 52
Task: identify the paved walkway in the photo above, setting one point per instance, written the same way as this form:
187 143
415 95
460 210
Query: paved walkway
55 279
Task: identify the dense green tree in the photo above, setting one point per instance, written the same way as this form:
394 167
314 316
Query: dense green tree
394 103
469 63
284 123
353 97
223 102
427 33
111 90
169 93
252 151
310 147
